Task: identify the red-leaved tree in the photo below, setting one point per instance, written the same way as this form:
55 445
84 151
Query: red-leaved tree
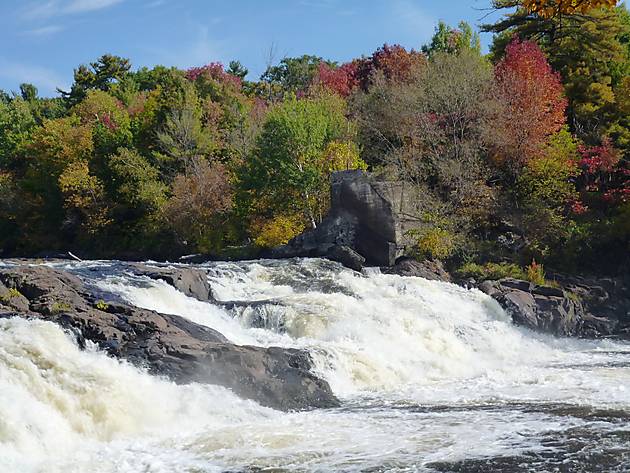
215 71
342 80
530 107
605 177
395 62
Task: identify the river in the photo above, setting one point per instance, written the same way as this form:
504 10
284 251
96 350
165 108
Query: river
432 377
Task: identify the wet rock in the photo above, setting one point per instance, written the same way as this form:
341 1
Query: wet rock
191 281
11 298
567 309
167 344
347 256
433 270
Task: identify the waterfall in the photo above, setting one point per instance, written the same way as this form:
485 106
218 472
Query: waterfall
427 372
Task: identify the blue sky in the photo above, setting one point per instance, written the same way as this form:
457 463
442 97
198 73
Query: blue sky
44 40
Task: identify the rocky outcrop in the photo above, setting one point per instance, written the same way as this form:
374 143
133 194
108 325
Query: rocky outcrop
570 309
166 344
367 215
191 281
433 270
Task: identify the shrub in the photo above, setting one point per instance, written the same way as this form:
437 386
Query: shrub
10 294
278 230
59 307
536 273
435 243
491 271
102 305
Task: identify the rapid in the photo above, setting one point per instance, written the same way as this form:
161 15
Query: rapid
432 377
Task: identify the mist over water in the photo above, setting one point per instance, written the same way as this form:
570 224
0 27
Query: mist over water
432 377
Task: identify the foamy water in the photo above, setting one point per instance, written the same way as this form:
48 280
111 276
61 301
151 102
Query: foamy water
427 372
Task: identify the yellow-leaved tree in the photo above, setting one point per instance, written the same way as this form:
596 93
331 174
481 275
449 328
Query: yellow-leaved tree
553 8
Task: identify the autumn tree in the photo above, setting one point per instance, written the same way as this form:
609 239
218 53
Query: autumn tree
556 8
394 62
65 193
109 121
428 133
591 52
530 105
341 80
200 201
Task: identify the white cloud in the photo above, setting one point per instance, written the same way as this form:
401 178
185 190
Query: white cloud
43 78
45 30
51 8
38 10
79 6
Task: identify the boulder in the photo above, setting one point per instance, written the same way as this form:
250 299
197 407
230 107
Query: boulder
166 344
346 256
433 270
368 215
191 281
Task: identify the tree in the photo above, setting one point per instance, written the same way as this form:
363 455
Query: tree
10 210
293 74
200 201
428 134
556 8
237 69
138 184
341 80
28 92
182 138
590 50
101 74
63 195
16 124
109 120
394 62
450 40
59 143
546 191
287 171
214 71
83 197
530 108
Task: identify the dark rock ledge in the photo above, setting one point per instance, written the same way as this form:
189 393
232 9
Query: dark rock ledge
167 345
578 307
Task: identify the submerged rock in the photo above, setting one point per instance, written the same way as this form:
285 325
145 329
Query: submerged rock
166 344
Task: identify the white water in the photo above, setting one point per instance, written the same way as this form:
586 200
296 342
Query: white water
412 360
